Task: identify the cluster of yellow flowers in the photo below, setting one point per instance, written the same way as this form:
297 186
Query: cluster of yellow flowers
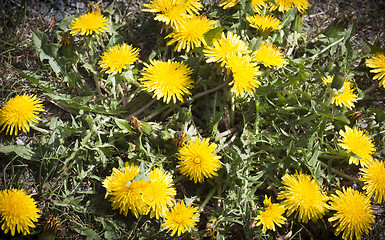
353 211
153 192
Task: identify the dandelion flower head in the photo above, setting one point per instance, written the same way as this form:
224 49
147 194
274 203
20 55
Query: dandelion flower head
89 23
373 177
302 193
358 142
284 5
269 55
354 214
172 12
271 216
160 192
168 80
264 23
18 211
115 59
258 5
126 194
245 74
221 49
228 3
345 95
19 112
198 160
190 33
181 218
378 63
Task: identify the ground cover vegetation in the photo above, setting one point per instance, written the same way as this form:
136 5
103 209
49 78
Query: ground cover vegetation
230 119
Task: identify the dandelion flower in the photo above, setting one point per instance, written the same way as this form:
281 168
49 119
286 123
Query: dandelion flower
115 59
358 142
223 48
271 216
245 74
302 193
284 5
160 192
228 3
18 211
89 23
354 213
264 23
169 80
190 33
345 96
378 63
125 194
19 112
269 55
198 160
328 79
172 12
374 179
181 218
258 5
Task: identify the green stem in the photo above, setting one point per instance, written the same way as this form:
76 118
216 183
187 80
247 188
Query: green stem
39 129
371 88
327 48
142 108
341 174
208 198
97 84
201 94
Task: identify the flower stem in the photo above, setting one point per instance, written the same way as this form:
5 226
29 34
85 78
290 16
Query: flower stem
39 129
201 94
142 108
341 174
208 198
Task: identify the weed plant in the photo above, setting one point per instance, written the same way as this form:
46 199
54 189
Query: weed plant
278 129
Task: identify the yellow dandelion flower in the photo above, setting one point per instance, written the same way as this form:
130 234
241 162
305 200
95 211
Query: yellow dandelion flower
181 218
89 23
264 23
345 95
228 3
125 194
284 5
198 160
18 211
328 79
374 179
172 12
269 55
378 63
354 213
168 80
223 48
302 193
190 33
159 193
271 216
358 142
19 112
115 59
245 74
258 5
